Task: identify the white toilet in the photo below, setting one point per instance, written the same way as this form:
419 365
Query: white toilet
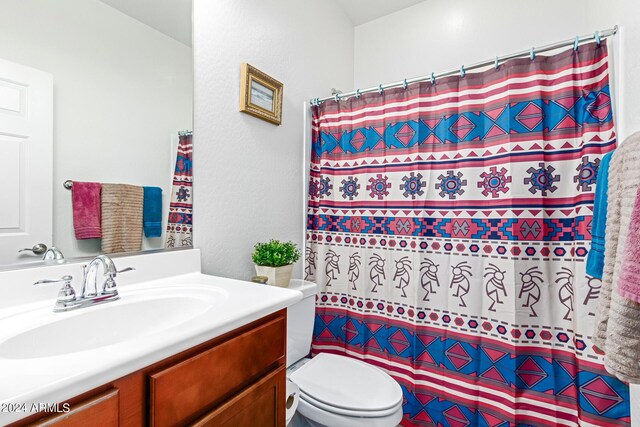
334 391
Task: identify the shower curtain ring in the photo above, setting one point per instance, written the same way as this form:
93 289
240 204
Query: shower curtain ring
380 89
462 71
596 36
495 63
532 55
575 43
405 85
433 78
336 97
358 93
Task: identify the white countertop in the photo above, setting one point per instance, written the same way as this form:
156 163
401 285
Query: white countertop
56 378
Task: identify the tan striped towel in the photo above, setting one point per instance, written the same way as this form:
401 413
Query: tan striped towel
121 218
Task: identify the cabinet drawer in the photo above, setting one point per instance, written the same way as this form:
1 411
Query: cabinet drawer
186 390
262 404
100 410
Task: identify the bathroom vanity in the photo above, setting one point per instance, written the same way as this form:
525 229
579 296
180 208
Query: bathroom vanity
201 350
236 379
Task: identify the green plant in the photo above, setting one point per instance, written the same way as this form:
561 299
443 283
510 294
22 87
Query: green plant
275 253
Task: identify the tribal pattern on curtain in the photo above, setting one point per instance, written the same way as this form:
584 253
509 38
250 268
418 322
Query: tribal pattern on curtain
448 227
180 223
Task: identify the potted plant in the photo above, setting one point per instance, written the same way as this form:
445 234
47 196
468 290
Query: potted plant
275 260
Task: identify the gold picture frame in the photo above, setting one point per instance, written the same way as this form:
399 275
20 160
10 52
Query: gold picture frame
260 95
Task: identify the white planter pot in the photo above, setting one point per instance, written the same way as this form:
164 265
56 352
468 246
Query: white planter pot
278 276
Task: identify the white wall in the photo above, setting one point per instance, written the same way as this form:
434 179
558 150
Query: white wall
247 172
439 35
121 89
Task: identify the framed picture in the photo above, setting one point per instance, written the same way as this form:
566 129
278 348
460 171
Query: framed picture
260 95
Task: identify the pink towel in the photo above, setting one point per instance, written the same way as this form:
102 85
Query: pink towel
85 197
629 280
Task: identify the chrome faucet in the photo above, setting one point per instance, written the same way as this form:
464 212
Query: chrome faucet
89 285
89 295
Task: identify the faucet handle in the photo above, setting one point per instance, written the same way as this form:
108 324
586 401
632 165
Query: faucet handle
66 279
67 293
109 287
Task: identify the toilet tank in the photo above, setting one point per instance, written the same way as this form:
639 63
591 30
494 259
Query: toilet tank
300 318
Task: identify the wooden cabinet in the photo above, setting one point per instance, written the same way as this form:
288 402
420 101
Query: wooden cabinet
183 389
237 379
258 405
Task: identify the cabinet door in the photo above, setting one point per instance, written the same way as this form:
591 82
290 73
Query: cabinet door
101 410
184 391
262 404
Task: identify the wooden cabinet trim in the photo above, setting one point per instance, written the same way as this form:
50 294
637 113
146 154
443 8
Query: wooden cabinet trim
102 408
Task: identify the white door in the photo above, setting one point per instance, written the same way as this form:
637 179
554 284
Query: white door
26 160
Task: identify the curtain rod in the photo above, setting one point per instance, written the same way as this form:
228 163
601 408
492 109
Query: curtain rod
597 36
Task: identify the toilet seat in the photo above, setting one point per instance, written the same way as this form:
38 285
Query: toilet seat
348 412
347 387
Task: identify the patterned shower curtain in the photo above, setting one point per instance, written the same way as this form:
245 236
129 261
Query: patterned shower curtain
180 224
448 227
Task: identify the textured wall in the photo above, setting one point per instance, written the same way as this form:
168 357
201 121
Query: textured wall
247 172
439 35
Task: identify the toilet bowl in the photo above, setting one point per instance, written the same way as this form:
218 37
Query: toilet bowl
334 390
338 391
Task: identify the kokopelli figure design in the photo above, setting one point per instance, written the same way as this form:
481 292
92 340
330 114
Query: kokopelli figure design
376 274
495 285
461 273
403 269
531 281
565 294
594 292
332 266
429 277
310 268
354 269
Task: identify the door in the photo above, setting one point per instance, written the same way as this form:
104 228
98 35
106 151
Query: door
26 153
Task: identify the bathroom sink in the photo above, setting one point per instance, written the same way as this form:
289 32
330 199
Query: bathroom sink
134 315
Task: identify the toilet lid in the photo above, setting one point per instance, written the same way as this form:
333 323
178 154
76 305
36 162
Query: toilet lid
344 383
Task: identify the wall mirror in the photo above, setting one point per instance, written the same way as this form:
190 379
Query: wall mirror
109 83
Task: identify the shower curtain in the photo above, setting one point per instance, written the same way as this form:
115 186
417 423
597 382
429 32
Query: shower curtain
448 227
180 224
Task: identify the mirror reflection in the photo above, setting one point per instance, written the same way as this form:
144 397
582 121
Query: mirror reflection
95 117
